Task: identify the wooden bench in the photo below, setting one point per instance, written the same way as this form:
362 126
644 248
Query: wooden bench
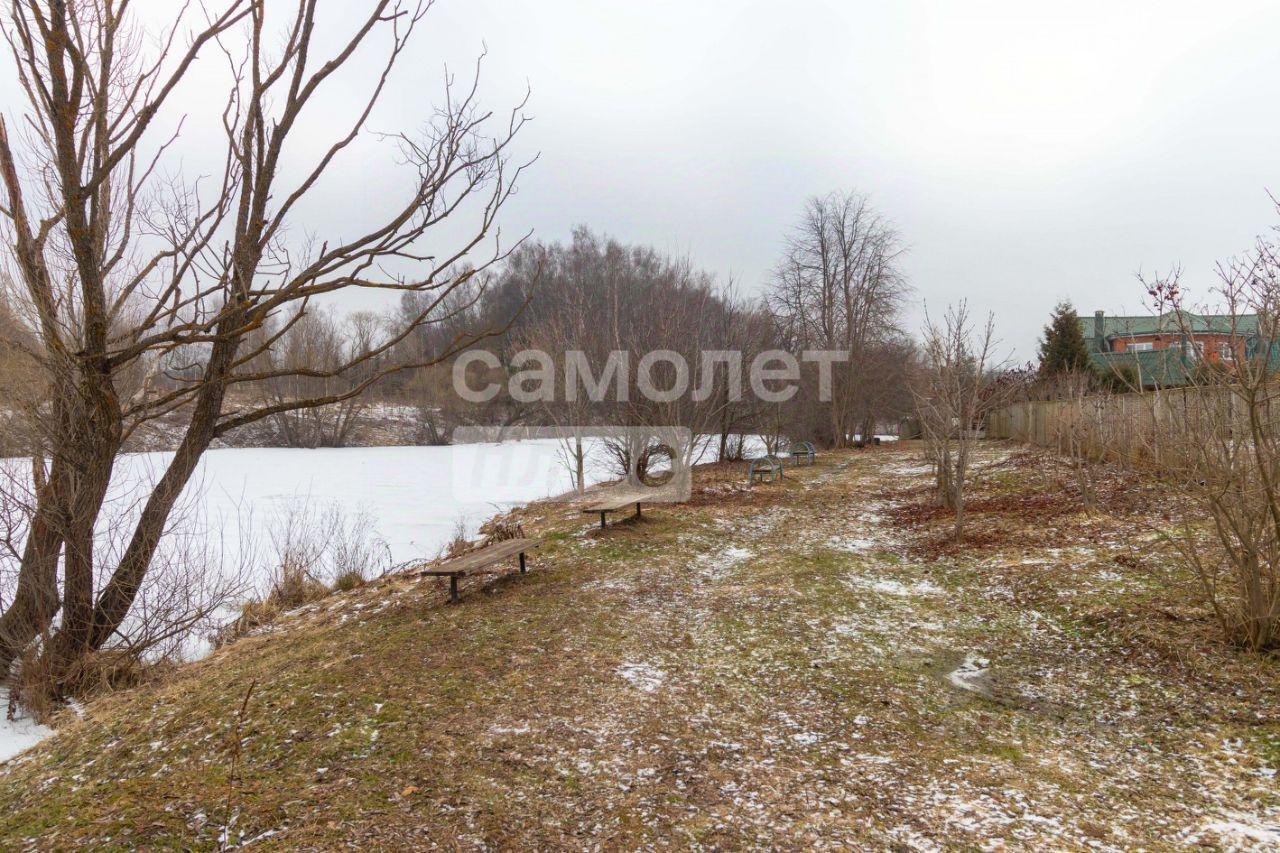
480 562
617 502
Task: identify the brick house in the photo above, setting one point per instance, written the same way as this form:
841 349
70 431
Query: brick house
1164 348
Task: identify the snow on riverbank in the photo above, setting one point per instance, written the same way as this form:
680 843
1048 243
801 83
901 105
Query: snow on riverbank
17 735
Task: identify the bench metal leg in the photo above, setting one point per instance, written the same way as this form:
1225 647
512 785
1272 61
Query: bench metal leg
602 522
637 509
522 565
453 588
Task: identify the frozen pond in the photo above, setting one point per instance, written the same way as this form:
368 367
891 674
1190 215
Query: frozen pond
414 497
414 500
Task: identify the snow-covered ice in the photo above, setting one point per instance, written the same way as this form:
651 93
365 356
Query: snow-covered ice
414 497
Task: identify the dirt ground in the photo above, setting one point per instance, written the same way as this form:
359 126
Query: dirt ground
808 664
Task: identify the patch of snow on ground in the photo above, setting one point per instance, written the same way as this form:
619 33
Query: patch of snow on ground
899 588
970 673
715 564
908 469
20 734
892 587
642 676
852 544
1239 829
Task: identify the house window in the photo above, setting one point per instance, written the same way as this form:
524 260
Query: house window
1141 346
1224 352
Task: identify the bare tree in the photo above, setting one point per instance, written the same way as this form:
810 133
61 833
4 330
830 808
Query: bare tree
957 391
889 373
317 343
601 312
565 320
838 287
122 266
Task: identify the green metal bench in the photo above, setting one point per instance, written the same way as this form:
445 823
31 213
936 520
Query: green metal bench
802 451
766 469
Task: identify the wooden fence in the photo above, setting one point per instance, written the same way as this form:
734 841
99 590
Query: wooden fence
1128 428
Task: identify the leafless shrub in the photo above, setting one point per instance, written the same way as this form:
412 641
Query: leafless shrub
293 586
636 457
733 447
957 391
29 689
320 543
313 552
1080 428
501 529
349 580
459 543
355 550
1219 437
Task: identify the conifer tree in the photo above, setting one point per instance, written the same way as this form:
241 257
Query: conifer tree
1062 348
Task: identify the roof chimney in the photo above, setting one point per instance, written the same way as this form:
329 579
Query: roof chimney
1099 337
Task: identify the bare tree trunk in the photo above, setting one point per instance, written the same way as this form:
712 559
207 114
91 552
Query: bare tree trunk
119 592
36 598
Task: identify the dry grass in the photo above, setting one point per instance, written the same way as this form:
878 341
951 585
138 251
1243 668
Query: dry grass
292 587
772 667
349 580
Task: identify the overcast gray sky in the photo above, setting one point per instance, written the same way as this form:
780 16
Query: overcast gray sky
1026 151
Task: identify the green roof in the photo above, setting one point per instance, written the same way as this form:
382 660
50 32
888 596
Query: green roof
1162 367
1170 322
1170 366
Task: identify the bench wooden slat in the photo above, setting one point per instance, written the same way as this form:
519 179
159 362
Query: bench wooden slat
613 503
472 562
479 562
